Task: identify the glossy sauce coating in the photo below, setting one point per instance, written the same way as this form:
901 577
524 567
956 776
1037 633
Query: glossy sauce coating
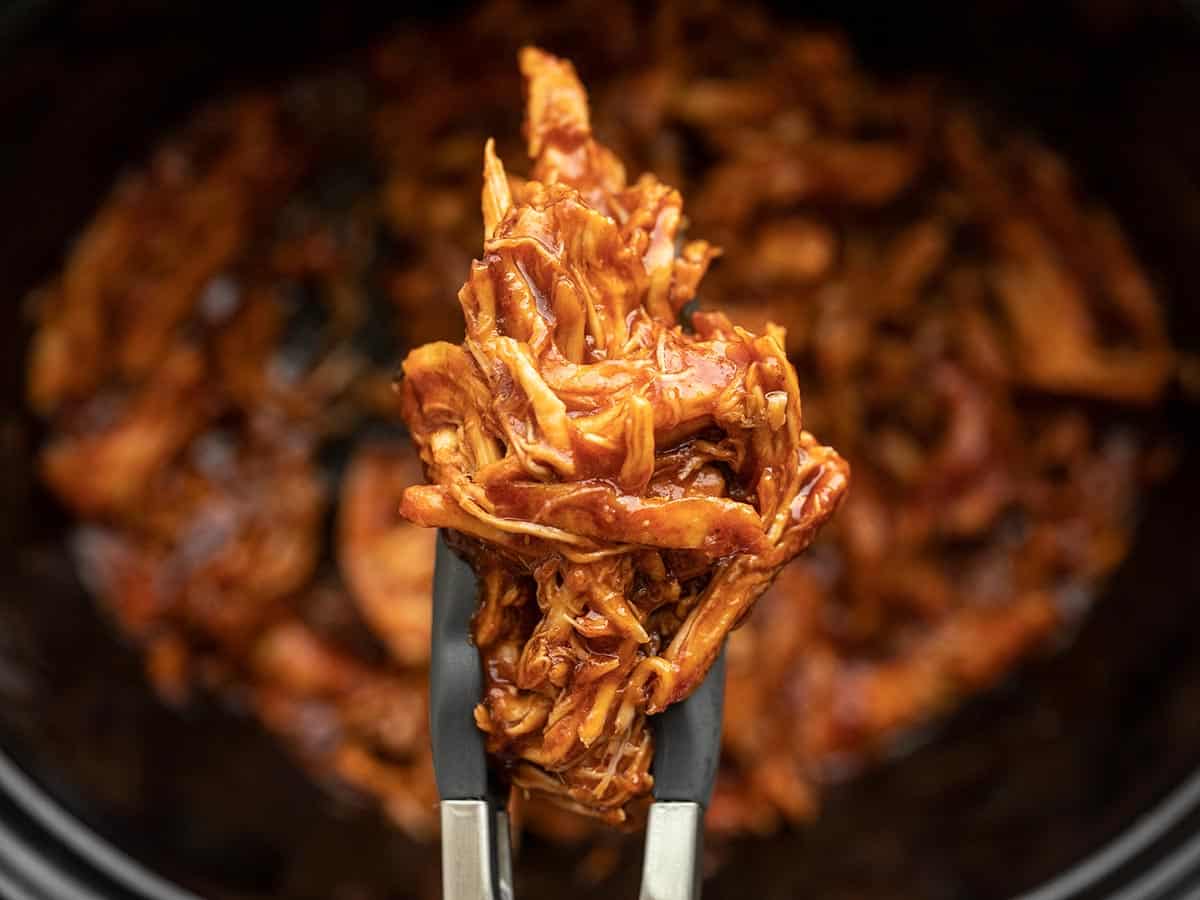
603 599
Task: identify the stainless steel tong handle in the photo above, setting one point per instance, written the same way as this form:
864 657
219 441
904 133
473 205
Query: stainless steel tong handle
674 841
476 851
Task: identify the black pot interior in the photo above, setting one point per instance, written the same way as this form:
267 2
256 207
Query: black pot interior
1017 787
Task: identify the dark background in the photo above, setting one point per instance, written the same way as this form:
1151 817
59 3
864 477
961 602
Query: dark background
1017 787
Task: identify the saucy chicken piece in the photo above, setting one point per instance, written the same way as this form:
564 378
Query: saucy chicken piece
135 273
363 725
640 483
386 560
1041 286
128 439
216 545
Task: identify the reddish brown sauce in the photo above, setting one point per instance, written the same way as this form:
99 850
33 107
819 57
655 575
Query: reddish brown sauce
971 330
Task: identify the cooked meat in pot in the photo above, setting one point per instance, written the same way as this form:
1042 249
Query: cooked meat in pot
972 331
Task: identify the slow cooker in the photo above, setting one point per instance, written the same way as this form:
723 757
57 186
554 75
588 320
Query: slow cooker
1077 779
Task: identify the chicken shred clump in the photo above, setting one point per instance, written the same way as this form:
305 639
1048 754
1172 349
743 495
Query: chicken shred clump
625 487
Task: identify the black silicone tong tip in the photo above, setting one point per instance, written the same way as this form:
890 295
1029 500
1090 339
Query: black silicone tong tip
455 682
687 741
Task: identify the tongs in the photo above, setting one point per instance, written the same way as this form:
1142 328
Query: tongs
476 849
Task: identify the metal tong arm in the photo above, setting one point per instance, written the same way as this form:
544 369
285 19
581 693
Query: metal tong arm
687 749
476 851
